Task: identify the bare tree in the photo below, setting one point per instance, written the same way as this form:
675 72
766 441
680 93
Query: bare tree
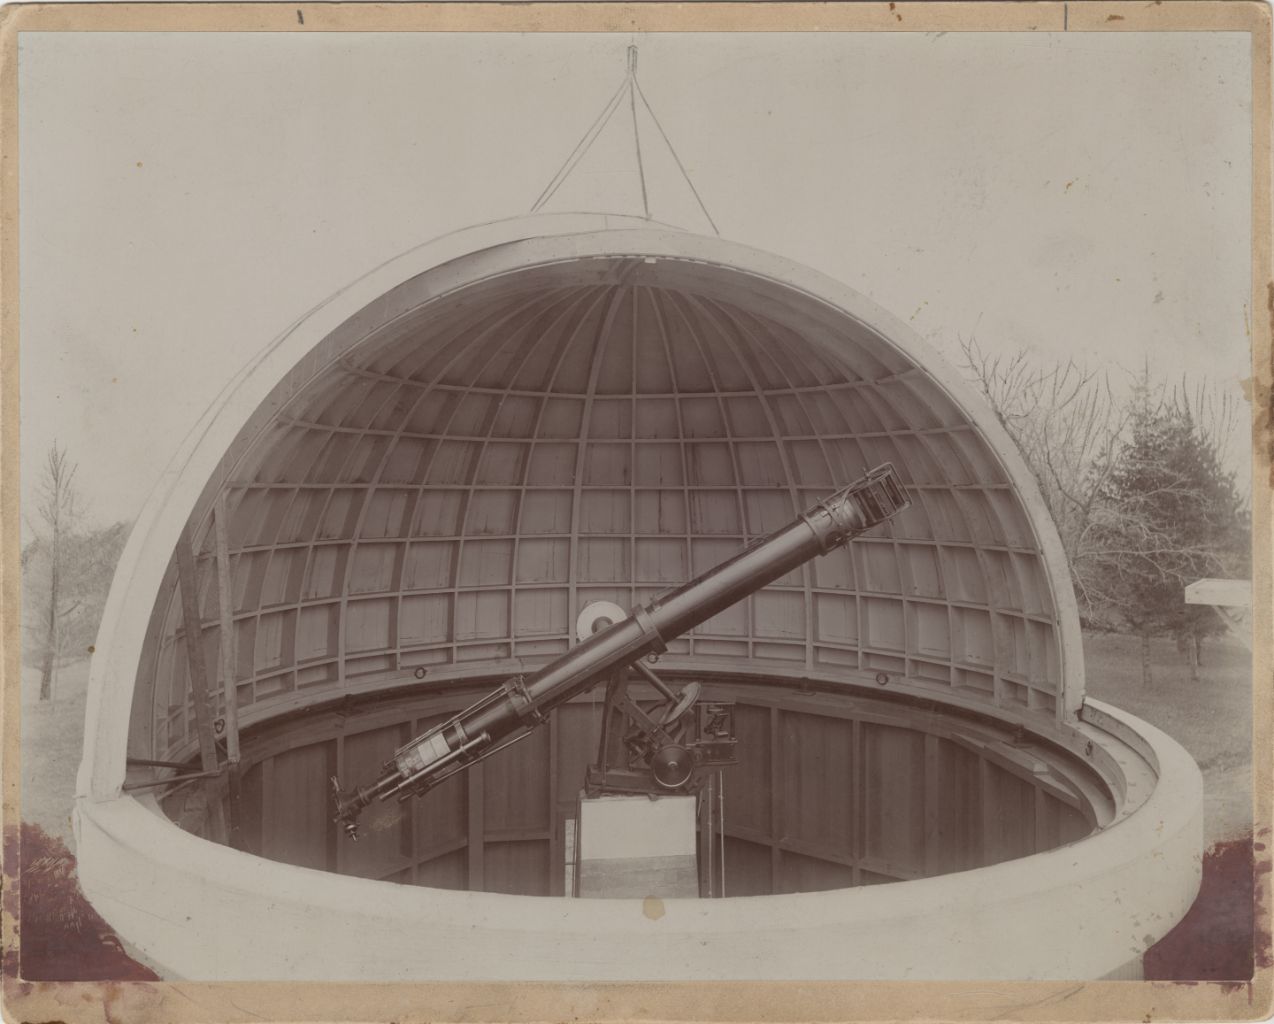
1067 422
57 507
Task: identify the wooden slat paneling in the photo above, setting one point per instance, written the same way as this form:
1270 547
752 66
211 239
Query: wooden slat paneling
893 795
519 867
516 786
385 839
798 873
747 867
818 779
953 840
297 828
747 784
825 795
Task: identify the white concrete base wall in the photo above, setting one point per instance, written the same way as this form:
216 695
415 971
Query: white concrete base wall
207 912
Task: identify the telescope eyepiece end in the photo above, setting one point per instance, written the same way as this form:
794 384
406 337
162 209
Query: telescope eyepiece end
349 806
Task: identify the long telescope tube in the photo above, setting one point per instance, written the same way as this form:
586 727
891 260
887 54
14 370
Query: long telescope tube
523 701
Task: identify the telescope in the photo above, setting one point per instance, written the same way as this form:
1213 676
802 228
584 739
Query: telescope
617 642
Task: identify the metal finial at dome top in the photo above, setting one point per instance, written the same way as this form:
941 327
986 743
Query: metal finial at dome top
631 89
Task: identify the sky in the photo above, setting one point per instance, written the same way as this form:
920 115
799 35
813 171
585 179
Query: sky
184 197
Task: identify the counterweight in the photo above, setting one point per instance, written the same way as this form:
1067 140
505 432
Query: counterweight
522 702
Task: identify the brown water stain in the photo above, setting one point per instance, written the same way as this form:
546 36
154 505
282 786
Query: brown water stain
653 907
1223 937
61 936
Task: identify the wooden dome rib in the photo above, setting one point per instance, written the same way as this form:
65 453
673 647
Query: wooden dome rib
452 489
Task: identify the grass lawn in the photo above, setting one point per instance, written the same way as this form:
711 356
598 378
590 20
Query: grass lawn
52 742
1211 718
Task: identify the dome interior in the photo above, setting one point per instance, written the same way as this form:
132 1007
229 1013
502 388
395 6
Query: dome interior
441 498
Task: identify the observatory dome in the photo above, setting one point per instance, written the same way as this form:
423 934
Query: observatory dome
466 470
418 489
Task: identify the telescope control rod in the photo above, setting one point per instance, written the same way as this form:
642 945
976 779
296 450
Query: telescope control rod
523 701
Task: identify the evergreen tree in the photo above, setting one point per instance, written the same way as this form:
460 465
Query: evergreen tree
1168 514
